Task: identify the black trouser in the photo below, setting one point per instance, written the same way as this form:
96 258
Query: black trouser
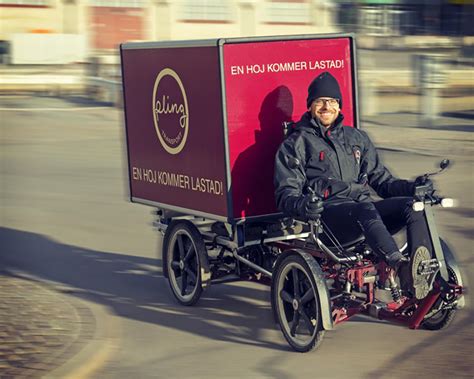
378 221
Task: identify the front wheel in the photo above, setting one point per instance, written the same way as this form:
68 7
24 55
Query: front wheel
295 302
441 315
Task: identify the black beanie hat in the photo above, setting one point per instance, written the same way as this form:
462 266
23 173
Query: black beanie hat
324 85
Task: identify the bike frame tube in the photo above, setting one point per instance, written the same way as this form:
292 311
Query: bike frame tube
436 242
422 310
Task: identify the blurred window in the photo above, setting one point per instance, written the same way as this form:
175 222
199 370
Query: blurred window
117 3
25 2
287 12
206 10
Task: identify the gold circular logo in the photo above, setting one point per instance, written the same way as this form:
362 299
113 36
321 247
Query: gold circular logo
170 111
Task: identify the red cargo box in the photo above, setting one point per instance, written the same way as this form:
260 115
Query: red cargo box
204 118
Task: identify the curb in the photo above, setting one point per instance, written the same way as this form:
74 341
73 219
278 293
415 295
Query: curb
94 354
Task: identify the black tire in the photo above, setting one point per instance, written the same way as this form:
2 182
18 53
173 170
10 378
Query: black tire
184 248
295 303
443 318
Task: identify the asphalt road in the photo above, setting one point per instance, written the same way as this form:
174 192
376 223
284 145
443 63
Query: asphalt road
65 219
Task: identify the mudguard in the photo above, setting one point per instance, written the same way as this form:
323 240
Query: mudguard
164 249
323 292
451 262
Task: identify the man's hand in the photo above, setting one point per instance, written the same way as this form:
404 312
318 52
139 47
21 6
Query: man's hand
423 184
311 207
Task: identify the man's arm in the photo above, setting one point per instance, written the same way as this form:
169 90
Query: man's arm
290 179
290 176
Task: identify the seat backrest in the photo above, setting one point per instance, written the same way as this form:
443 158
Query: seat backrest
288 127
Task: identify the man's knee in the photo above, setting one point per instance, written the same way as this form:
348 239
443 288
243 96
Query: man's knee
411 214
367 216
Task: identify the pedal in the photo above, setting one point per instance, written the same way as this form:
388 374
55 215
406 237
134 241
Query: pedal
428 267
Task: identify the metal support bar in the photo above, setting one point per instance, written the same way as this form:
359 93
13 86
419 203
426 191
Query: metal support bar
333 256
209 236
226 279
251 264
280 238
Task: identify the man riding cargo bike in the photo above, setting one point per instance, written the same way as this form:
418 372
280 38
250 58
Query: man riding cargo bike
323 160
303 223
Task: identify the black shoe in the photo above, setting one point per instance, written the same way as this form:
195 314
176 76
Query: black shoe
395 259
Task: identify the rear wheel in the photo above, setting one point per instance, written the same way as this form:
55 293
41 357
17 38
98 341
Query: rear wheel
295 303
440 315
184 249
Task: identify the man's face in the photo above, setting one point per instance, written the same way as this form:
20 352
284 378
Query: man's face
326 110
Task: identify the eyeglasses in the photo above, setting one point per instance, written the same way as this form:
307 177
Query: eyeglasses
331 102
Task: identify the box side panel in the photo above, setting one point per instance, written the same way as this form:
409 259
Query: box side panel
174 128
266 84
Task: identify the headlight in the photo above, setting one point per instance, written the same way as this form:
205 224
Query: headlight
418 206
447 202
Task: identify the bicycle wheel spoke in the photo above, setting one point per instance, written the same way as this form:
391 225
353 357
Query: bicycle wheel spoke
189 253
308 296
296 321
191 274
175 265
184 282
180 246
307 321
285 296
296 290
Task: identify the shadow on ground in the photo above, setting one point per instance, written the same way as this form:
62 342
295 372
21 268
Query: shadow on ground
465 115
133 287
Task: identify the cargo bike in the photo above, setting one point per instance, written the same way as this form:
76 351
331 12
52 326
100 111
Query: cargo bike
203 122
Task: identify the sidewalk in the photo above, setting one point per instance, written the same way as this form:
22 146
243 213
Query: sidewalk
413 42
43 331
450 135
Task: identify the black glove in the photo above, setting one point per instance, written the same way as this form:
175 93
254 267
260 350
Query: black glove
310 207
422 185
330 187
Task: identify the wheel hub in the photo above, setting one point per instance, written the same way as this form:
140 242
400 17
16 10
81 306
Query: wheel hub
181 265
295 304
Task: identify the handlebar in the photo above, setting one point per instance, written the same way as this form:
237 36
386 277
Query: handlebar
431 199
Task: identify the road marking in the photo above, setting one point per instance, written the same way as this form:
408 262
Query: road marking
53 109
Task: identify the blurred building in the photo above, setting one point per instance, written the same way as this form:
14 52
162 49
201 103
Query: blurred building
407 17
61 31
106 23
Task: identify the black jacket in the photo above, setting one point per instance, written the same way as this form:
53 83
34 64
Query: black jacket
338 164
